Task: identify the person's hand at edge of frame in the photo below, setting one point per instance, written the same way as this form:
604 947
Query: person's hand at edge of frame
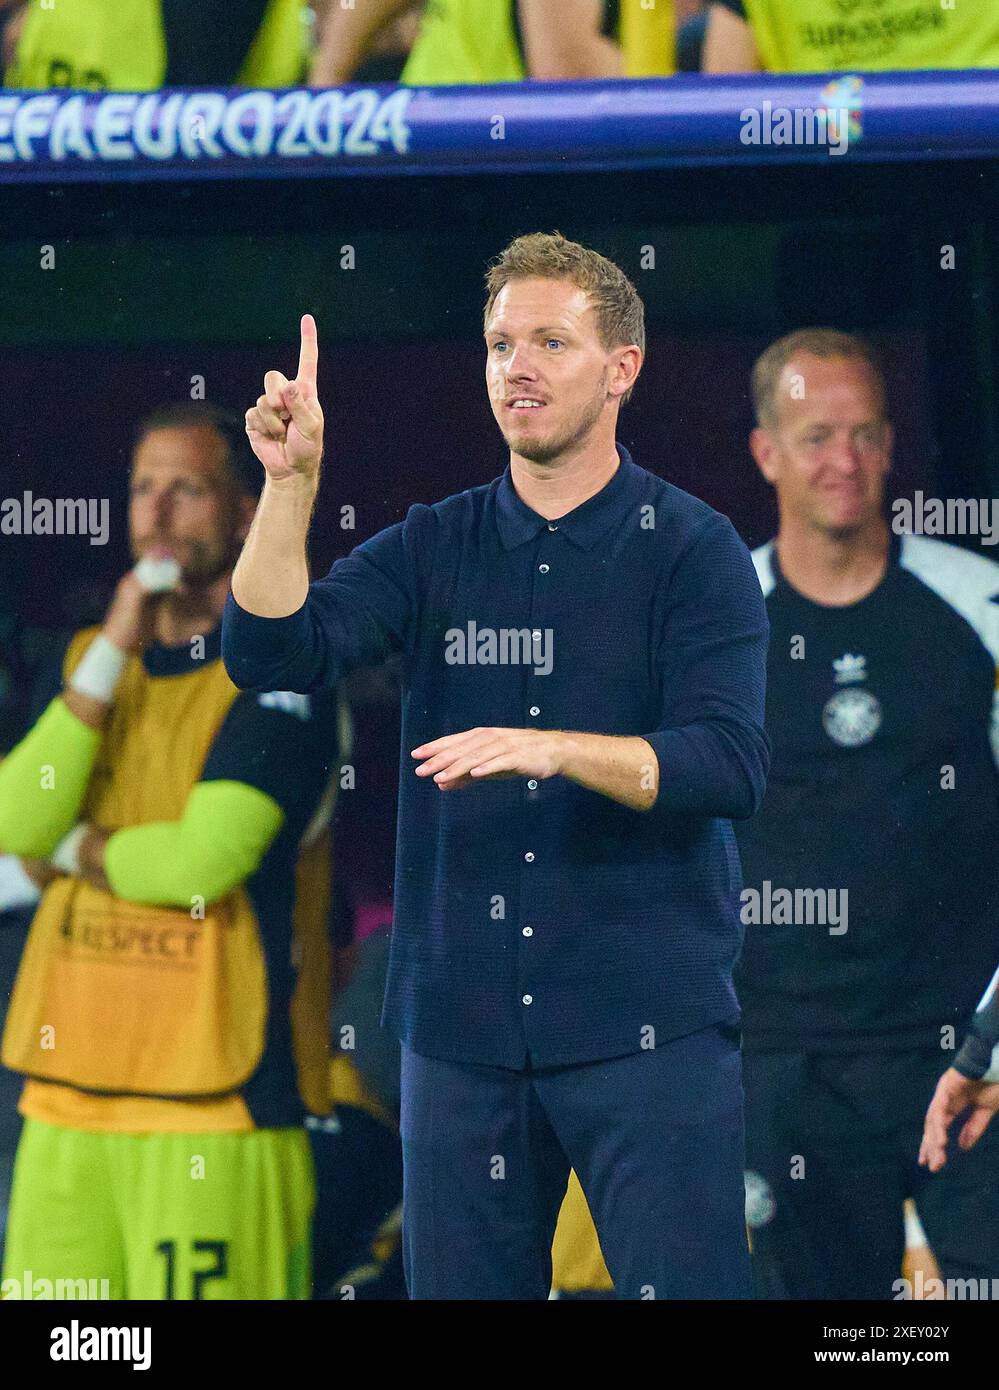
954 1095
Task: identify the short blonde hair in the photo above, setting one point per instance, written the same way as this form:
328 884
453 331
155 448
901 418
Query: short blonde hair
818 342
619 310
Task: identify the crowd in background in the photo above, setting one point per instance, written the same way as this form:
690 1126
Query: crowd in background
139 45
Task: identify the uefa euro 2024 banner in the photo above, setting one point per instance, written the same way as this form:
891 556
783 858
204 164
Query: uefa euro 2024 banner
530 126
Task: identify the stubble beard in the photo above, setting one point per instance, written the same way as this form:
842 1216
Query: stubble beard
548 450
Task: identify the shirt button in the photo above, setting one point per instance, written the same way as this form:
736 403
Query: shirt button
535 711
528 998
532 785
552 527
536 635
528 931
543 569
529 856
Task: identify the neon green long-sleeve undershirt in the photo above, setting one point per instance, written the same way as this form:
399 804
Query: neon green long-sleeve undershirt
43 781
219 841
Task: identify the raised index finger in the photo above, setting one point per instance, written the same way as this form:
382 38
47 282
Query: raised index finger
308 357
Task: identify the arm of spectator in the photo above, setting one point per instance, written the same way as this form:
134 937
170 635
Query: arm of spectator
43 781
39 872
564 41
954 1096
970 1084
728 43
978 1058
12 16
346 37
267 771
683 10
218 842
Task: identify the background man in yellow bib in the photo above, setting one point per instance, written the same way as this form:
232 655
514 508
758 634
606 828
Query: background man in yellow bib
470 41
139 45
868 36
171 1007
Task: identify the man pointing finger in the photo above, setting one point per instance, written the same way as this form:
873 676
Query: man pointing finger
566 904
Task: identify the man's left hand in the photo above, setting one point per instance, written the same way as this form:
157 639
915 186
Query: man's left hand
458 760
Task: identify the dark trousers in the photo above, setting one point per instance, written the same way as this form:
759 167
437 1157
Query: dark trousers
836 1139
656 1139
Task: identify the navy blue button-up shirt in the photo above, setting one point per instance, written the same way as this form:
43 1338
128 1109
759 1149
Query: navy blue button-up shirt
539 919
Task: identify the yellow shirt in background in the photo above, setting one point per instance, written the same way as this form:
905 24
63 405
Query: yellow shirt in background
472 41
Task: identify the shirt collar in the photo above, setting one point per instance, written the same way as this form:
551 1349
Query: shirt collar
585 524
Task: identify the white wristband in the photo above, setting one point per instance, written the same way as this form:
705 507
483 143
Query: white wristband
66 855
99 672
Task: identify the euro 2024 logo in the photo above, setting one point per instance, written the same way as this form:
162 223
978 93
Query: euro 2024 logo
846 94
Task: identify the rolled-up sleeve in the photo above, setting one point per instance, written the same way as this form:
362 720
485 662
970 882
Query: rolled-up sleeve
711 746
355 616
